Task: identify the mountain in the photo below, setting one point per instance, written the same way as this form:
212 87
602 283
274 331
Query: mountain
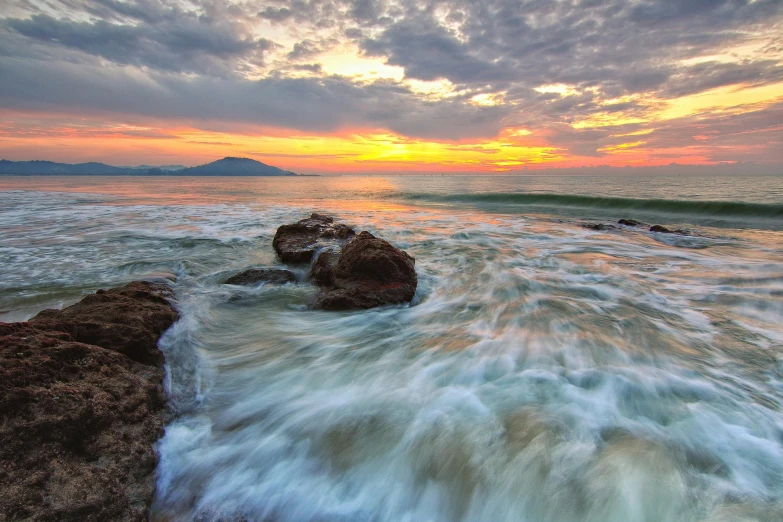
224 167
161 167
235 167
52 168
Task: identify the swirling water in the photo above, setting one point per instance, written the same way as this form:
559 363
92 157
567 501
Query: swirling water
544 372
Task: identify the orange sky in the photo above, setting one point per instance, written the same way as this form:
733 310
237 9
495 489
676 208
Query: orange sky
732 121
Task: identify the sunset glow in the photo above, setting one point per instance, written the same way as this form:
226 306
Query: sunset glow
336 86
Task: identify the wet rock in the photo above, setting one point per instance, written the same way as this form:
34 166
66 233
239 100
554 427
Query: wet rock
128 319
630 223
598 226
298 242
262 275
662 229
82 405
322 271
369 272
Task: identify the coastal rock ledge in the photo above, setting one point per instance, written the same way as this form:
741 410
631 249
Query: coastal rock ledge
81 405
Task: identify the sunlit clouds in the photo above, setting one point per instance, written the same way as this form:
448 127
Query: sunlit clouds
393 86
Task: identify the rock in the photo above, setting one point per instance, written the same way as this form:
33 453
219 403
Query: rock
129 319
262 275
82 405
369 272
630 223
660 228
322 271
298 242
598 226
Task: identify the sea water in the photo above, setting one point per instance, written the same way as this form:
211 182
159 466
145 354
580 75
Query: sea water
543 372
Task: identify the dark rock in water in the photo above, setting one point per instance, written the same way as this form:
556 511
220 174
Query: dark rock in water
82 405
354 271
262 275
298 242
598 226
630 223
322 271
660 228
369 272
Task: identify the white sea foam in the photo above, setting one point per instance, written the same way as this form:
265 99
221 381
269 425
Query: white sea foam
544 372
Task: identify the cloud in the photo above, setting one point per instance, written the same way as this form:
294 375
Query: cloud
311 67
276 14
177 41
304 49
309 104
616 47
428 51
710 75
216 62
755 135
303 156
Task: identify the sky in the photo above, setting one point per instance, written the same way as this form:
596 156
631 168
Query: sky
320 86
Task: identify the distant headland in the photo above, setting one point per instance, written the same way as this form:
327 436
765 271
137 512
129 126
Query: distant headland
224 167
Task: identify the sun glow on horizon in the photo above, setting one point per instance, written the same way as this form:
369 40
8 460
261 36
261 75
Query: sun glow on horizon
373 87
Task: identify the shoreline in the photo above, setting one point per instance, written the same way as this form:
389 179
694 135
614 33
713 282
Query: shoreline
83 406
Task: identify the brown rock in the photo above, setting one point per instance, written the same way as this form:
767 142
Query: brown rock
630 223
322 271
298 242
80 420
129 319
660 228
369 272
262 275
598 226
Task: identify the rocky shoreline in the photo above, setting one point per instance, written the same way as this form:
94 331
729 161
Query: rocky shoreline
82 406
81 398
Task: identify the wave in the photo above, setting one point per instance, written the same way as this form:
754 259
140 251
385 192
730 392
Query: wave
709 208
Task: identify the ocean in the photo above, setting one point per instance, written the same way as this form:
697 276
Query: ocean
544 372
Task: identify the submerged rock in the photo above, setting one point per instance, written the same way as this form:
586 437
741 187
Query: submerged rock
82 405
369 272
630 223
298 242
252 276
